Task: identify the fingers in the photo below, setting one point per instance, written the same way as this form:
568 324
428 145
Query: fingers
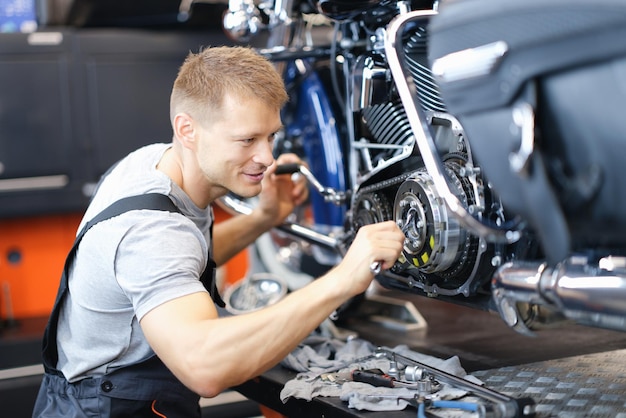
297 183
289 158
386 240
389 242
375 243
300 192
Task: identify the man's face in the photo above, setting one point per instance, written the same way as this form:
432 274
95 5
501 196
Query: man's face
236 149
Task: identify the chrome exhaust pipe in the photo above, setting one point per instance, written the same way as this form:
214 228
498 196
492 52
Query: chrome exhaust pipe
235 206
529 295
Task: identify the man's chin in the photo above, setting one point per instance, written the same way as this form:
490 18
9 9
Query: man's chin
247 192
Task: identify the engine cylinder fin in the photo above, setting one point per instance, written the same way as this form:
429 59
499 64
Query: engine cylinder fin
415 50
388 124
416 42
428 92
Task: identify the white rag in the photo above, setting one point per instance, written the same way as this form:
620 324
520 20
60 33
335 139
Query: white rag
319 355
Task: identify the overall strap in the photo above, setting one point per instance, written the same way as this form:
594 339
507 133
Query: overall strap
151 201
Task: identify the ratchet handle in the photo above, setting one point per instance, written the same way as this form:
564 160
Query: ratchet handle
374 377
287 168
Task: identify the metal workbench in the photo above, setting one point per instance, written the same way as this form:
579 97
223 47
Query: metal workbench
572 371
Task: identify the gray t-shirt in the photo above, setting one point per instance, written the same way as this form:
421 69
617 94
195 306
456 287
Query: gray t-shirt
127 266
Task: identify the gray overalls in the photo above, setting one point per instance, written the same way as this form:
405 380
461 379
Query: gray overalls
145 389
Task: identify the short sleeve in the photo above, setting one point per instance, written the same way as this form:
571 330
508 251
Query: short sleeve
160 258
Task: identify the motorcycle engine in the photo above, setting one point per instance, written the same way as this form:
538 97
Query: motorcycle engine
440 257
435 242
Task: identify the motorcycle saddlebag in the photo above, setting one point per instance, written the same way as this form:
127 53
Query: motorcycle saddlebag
540 90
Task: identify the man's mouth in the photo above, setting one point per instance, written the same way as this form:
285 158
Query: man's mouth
257 177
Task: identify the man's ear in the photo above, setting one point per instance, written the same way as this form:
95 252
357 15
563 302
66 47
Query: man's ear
184 130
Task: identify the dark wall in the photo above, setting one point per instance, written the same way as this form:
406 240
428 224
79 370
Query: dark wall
74 101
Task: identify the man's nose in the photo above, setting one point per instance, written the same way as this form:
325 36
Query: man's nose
264 153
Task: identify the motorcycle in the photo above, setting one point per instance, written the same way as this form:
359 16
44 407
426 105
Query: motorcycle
503 208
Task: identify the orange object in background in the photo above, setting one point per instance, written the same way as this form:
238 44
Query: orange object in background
237 267
270 413
32 254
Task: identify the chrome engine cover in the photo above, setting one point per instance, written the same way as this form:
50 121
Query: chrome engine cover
434 238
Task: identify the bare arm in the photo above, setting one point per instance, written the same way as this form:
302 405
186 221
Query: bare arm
232 235
209 354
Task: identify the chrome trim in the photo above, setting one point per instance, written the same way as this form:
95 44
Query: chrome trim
585 293
310 235
234 206
469 63
424 140
243 20
238 207
369 80
524 119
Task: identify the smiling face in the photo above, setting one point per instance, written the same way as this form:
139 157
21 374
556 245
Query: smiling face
225 110
235 148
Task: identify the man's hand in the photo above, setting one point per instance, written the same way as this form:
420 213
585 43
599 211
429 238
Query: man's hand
281 193
380 242
279 197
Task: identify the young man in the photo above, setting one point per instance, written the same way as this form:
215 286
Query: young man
137 332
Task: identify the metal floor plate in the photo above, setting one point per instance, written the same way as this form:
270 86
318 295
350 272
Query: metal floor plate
592 385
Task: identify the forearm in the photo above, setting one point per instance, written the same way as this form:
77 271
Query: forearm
210 354
220 353
234 234
261 340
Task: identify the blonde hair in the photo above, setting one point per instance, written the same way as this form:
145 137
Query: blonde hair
207 77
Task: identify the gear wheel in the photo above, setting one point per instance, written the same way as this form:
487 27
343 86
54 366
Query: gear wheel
370 208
